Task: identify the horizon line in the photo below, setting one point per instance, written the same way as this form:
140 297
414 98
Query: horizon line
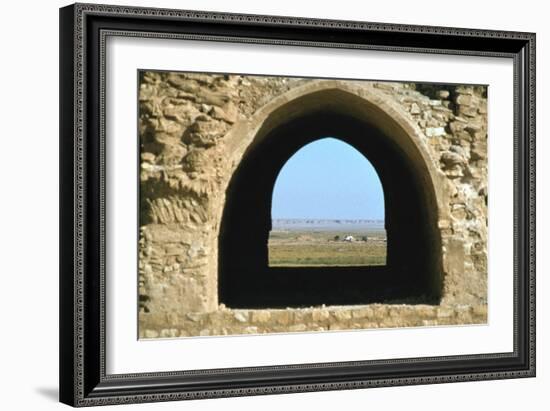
328 219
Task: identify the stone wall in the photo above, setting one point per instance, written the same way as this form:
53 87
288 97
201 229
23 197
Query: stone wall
331 318
194 129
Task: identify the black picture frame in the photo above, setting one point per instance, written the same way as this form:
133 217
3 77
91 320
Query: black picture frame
83 381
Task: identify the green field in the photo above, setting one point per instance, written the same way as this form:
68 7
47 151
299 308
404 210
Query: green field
326 248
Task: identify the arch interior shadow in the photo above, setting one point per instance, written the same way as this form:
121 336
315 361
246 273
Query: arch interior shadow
413 269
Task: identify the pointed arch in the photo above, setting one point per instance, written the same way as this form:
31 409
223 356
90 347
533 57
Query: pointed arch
372 124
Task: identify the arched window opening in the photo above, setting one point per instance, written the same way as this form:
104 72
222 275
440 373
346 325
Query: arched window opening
327 209
410 274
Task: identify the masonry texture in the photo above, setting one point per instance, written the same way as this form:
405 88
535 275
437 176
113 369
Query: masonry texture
195 129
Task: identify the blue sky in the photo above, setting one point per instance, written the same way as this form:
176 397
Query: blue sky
328 179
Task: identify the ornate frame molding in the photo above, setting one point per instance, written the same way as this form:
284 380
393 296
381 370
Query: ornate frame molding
82 305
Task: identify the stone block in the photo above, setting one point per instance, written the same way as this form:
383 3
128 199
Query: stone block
195 317
445 312
342 314
435 131
467 111
169 333
241 316
320 315
415 109
262 316
365 312
464 99
283 317
480 311
151 334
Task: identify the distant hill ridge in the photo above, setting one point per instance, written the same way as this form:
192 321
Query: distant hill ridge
285 221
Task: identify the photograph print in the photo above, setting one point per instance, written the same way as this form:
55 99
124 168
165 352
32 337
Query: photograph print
272 204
